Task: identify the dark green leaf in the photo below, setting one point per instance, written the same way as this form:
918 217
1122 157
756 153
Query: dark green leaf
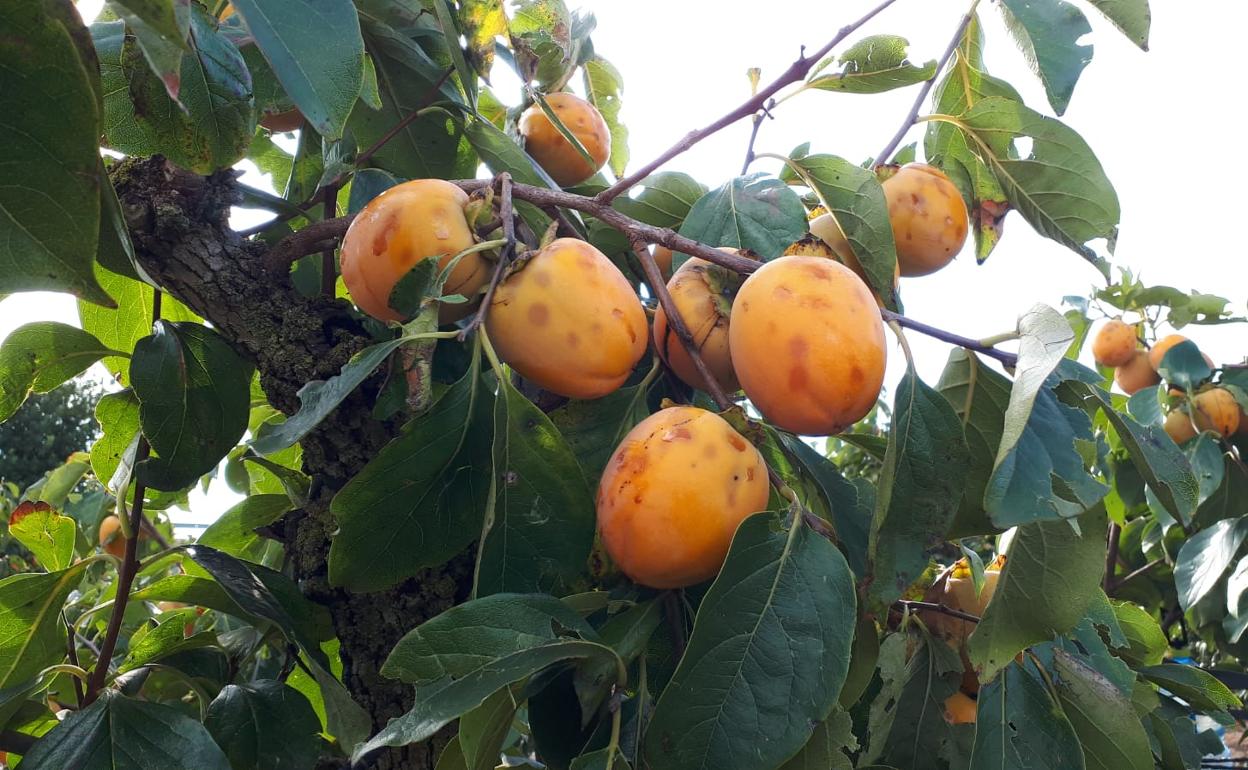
1133 17
32 635
1053 573
316 51
51 197
663 199
829 748
235 531
979 394
367 184
1018 725
539 523
500 153
849 504
768 655
120 733
49 535
1059 187
189 589
421 499
161 30
855 198
264 725
594 428
1205 557
1184 367
753 212
1048 34
863 657
1194 685
907 725
194 397
41 356
873 65
1108 728
483 730
920 485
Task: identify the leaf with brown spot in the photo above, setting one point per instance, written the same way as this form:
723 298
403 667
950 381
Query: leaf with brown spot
49 535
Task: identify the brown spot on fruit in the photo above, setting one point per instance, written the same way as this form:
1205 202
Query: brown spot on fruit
928 217
798 378
539 314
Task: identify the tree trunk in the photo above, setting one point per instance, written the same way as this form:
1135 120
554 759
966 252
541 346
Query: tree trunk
178 222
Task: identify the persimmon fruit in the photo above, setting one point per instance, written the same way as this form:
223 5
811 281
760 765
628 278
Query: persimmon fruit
702 293
928 217
1136 374
551 149
1115 343
673 493
420 219
960 709
825 228
1178 426
568 320
1161 347
807 343
1216 410
111 539
663 258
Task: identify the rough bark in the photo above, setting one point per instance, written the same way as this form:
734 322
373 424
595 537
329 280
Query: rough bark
178 222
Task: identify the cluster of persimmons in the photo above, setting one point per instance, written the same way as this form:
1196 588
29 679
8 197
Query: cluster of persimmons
802 336
1210 408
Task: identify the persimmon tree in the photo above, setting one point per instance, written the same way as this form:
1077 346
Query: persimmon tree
419 385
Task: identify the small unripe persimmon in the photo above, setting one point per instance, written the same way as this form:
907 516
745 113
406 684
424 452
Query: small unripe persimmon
111 539
960 709
663 258
1115 343
1178 426
928 217
569 321
702 293
552 151
1136 374
1216 410
825 228
1161 347
673 493
416 220
807 342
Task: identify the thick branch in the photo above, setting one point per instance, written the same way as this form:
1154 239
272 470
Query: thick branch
796 72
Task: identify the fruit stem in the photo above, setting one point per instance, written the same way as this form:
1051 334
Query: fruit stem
796 71
997 339
505 209
884 154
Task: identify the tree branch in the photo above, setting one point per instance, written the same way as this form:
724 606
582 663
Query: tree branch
407 119
1111 556
905 604
1004 356
796 71
891 147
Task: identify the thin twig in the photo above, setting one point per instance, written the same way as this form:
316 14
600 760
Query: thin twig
505 254
329 271
1111 556
796 71
935 607
406 121
895 142
1147 568
1004 356
765 112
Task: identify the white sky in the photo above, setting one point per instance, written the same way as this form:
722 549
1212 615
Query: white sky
1162 124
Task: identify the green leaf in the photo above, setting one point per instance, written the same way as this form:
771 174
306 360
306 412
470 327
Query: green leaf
604 86
118 416
316 51
1048 34
753 212
122 327
855 198
194 397
920 484
602 759
954 153
421 499
1205 557
38 357
168 638
120 733
482 21
1194 685
189 589
979 394
264 725
483 730
874 65
594 428
864 656
541 38
767 656
663 199
1163 465
1108 728
367 184
212 126
49 535
471 635
829 748
1052 575
907 725
1146 643
850 505
50 203
160 16
539 522
1019 725
161 30
32 635
440 702
1133 17
1059 187
500 153
235 531
1184 367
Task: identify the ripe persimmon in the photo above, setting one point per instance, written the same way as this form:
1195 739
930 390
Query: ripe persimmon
1178 426
111 539
960 709
807 343
568 319
673 493
825 228
1161 347
702 293
415 220
551 149
928 217
1115 343
1136 374
663 258
1216 410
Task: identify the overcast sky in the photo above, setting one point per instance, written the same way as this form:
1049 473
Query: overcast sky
1162 123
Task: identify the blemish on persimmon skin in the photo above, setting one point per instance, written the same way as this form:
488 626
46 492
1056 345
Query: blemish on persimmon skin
798 378
542 278
678 433
799 347
709 451
574 339
737 442
539 314
381 240
749 474
856 375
